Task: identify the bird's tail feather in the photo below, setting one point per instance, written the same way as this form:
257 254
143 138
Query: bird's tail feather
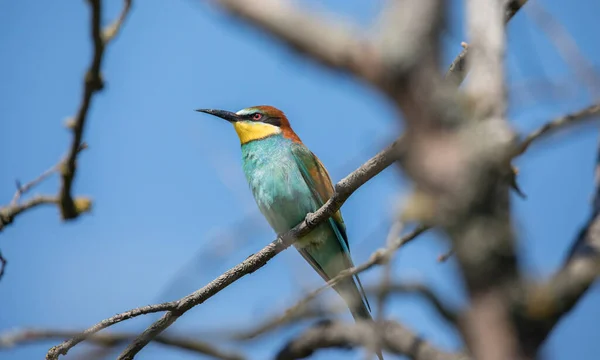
356 302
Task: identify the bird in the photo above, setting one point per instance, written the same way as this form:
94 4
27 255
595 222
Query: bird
288 181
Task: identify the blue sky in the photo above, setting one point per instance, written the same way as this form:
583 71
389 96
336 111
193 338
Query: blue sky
169 193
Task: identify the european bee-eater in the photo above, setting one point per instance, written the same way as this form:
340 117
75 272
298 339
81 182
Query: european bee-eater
288 181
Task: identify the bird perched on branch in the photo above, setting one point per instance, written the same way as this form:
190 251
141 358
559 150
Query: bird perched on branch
288 181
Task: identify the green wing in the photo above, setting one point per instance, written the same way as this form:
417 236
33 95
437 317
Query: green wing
317 178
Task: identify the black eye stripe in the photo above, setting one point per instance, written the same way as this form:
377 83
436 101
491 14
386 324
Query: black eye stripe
276 121
273 121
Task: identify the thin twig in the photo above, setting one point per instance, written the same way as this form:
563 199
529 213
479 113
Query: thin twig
458 68
22 189
64 347
275 322
3 263
110 340
8 213
445 256
420 289
386 278
556 124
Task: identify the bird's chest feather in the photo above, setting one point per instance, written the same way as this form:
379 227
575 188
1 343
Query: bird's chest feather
277 183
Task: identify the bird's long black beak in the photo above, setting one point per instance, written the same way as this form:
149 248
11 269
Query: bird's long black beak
227 115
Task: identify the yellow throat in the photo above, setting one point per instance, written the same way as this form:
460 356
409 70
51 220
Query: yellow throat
250 131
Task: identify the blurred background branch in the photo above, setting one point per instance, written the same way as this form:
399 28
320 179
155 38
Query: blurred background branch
395 339
113 339
70 207
456 147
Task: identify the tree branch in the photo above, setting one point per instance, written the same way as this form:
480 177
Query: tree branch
476 206
458 68
542 306
297 309
64 347
3 263
329 41
70 207
8 213
109 340
92 83
449 315
558 123
395 338
343 190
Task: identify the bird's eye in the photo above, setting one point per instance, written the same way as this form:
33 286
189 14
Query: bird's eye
257 116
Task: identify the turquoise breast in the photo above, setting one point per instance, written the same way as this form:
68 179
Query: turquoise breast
277 184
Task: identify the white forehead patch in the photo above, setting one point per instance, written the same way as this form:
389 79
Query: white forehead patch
247 111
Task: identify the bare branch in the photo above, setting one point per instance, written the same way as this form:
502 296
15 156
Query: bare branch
330 41
473 202
546 130
395 338
558 123
3 263
542 306
8 213
71 207
63 348
378 257
92 83
487 57
339 45
276 322
109 340
387 274
458 69
343 190
23 189
408 37
420 289
445 256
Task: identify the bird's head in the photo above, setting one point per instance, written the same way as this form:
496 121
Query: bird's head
257 122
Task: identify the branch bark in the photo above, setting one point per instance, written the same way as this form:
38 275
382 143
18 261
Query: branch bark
543 305
113 339
343 190
476 212
557 124
451 316
394 338
378 257
458 68
92 83
325 39
69 206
